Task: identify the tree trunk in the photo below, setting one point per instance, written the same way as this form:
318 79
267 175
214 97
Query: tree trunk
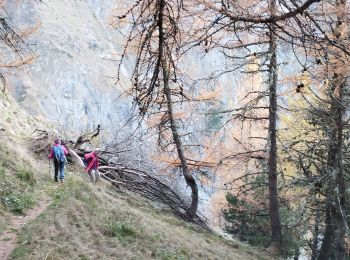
316 233
190 180
336 225
337 192
276 230
340 190
335 211
340 181
179 148
329 233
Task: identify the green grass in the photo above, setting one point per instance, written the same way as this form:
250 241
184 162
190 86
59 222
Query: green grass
86 221
26 176
91 223
75 189
18 202
16 194
17 182
166 254
82 257
20 252
13 229
119 229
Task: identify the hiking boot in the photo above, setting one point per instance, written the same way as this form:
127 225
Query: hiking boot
62 181
56 180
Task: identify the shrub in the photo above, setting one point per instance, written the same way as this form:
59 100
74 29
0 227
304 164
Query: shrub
120 229
246 221
18 202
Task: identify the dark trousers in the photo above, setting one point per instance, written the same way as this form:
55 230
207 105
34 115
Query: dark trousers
59 169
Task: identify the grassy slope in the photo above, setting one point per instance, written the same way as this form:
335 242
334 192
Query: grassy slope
21 176
86 221
23 182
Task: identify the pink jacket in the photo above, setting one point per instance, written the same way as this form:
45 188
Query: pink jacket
93 161
51 151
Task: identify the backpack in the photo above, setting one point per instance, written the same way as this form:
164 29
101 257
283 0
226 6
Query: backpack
58 153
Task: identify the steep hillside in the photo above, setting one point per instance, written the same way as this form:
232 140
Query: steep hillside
86 221
94 222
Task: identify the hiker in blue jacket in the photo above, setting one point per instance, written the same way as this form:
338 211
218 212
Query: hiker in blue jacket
58 153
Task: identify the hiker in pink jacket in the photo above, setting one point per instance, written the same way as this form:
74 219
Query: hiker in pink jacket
91 164
58 153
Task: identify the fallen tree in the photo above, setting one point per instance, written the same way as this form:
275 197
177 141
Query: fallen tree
140 182
122 177
151 188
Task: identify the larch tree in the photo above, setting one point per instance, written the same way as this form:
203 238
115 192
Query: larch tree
267 23
337 100
276 229
156 32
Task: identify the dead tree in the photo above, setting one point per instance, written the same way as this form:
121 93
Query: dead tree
148 186
86 137
336 220
124 177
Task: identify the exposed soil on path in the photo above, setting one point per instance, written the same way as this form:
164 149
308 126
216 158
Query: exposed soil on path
9 237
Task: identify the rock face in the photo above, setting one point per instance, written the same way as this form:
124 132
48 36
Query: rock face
72 79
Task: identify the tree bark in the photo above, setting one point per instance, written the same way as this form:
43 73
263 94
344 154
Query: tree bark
316 234
334 235
190 180
276 230
336 225
340 190
329 233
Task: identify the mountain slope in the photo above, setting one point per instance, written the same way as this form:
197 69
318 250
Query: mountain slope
87 221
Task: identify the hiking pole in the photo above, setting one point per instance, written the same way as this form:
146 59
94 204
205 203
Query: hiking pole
49 168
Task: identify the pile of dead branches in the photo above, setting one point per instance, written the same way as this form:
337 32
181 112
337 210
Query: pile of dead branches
140 182
122 177
146 185
41 141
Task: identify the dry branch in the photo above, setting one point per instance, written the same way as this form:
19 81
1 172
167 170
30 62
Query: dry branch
137 181
86 138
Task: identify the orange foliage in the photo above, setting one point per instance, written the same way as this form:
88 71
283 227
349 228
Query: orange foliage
18 62
27 32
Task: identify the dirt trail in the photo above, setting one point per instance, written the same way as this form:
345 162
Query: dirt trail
9 237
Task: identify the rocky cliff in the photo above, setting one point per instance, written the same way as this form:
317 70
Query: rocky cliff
71 80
